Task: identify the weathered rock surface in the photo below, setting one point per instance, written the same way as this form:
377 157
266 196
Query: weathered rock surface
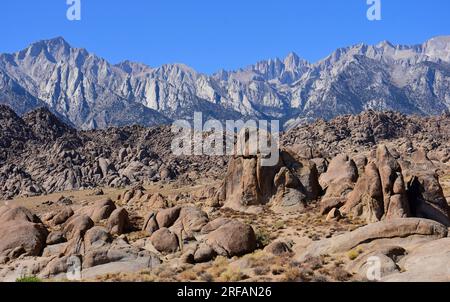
22 237
429 262
382 193
278 248
232 239
165 241
385 230
20 233
290 184
119 222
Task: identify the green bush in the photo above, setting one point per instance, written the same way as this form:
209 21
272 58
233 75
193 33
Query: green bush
353 254
29 279
262 238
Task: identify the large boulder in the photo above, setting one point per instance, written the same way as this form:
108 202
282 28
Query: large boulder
215 224
165 241
150 225
247 183
305 171
287 185
77 226
427 198
55 237
100 210
390 232
101 256
204 253
338 181
341 171
119 222
429 262
380 192
62 216
97 237
425 194
166 218
18 237
278 248
191 221
366 200
392 184
232 239
290 193
20 232
17 214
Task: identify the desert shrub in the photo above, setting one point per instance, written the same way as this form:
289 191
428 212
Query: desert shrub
188 275
277 269
232 275
341 275
29 279
293 274
219 266
320 279
315 263
262 270
262 238
353 254
279 225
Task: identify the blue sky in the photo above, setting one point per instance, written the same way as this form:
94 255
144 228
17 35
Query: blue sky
211 34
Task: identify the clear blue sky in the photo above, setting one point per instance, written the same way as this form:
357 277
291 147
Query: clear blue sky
211 34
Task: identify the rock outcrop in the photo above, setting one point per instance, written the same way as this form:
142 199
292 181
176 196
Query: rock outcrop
382 192
288 185
391 232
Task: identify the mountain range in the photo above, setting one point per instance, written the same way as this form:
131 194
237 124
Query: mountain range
88 92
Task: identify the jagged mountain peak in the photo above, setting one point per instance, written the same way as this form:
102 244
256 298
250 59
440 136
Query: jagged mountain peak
133 68
53 49
438 47
176 73
178 67
292 59
435 49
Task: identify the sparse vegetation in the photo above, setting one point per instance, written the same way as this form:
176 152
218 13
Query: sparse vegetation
353 254
279 225
292 274
262 238
232 275
28 279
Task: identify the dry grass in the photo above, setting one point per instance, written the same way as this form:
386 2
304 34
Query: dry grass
293 274
232 275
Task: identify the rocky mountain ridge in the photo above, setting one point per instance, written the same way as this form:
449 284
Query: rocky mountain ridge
89 92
